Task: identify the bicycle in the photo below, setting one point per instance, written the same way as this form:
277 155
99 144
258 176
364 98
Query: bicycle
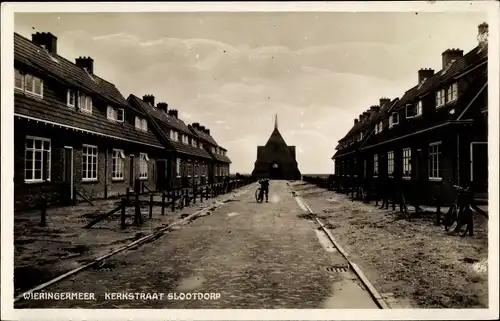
460 212
259 195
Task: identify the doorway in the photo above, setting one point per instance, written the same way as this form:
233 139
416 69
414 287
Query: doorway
479 166
68 171
276 171
132 171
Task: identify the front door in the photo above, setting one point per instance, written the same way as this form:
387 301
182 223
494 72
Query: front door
161 176
68 170
132 171
276 171
479 167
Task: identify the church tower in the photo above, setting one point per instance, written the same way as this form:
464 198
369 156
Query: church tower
276 160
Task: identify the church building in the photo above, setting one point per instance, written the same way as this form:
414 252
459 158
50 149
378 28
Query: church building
276 160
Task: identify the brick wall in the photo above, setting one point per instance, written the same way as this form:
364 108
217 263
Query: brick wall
57 190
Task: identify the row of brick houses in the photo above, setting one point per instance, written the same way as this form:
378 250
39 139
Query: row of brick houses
75 133
436 133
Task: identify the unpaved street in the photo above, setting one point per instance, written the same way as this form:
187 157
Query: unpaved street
267 255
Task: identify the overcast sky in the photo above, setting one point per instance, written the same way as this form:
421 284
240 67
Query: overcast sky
233 71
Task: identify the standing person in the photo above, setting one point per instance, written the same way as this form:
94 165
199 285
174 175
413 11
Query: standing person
264 187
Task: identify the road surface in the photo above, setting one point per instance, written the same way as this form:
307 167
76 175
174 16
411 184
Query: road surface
248 255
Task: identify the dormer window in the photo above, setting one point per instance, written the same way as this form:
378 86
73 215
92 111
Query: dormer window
71 98
380 127
440 98
141 123
393 120
174 135
418 108
29 84
185 139
411 110
452 92
116 114
194 143
85 103
18 80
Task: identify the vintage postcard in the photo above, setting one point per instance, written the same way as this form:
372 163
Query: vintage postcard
245 161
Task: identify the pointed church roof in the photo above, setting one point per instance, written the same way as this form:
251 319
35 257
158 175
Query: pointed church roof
276 137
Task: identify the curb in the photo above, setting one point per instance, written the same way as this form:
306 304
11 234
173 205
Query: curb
158 234
357 270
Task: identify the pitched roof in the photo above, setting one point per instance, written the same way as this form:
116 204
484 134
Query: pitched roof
51 110
170 122
469 61
36 57
209 139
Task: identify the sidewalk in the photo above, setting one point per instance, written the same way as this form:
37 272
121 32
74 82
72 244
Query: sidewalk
43 253
417 264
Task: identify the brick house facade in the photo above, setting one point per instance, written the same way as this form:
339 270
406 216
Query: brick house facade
189 158
436 133
73 129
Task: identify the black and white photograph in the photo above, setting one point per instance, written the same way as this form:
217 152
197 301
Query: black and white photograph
237 161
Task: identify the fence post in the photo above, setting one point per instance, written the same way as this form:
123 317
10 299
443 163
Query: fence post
128 194
138 215
185 193
123 214
151 206
201 194
43 207
206 193
162 203
74 195
173 192
194 194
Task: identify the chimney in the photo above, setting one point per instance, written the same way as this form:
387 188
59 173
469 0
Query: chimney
384 101
360 117
450 55
162 106
174 113
150 99
45 40
85 63
207 131
425 73
374 109
196 125
482 34
366 115
355 121
202 128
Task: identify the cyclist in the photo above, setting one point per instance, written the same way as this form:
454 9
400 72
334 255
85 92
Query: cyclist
264 187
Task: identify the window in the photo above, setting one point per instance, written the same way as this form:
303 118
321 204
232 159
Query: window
418 109
196 169
89 163
380 126
143 166
393 120
33 85
185 139
440 97
411 110
37 159
407 163
434 162
390 163
178 167
71 98
174 135
189 169
85 103
111 113
28 83
213 150
194 143
118 163
452 92
141 123
120 115
18 80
